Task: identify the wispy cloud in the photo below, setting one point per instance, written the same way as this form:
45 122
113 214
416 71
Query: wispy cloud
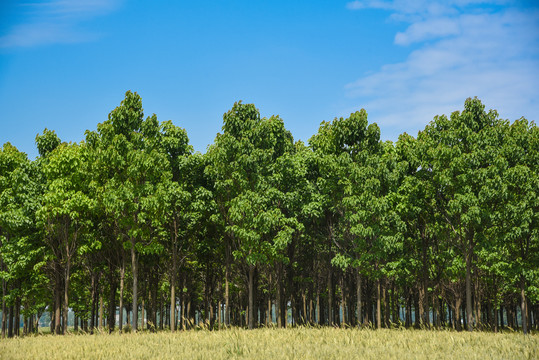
56 21
466 50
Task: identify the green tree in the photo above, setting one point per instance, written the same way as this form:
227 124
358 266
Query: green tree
21 253
518 215
64 214
240 164
459 154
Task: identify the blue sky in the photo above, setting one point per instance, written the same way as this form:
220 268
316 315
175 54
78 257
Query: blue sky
65 64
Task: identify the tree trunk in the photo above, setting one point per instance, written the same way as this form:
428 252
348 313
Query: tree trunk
279 300
343 301
4 293
134 267
57 301
142 312
304 300
408 314
17 316
112 302
93 296
318 307
66 292
10 322
173 291
227 275
182 303
423 303
496 319
469 313
435 310
359 300
311 304
101 318
456 313
477 300
219 309
368 304
524 305
251 297
378 305
122 277
331 320
387 306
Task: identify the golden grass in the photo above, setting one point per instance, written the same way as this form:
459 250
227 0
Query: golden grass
296 343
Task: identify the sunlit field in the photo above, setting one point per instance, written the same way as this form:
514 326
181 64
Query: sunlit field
297 343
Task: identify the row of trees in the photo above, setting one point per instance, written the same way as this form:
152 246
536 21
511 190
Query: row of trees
438 230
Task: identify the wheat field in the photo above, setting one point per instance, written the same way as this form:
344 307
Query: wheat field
295 343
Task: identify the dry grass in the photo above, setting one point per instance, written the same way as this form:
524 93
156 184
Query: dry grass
297 343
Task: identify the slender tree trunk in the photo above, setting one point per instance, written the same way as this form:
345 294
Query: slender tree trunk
93 296
251 296
4 293
112 302
359 299
424 304
387 306
188 314
477 300
173 286
279 301
435 310
10 322
101 318
57 302
25 325
269 316
469 313
227 275
121 305
408 315
368 304
164 311
134 267
343 301
496 320
457 321
378 305
142 312
318 307
219 306
182 303
66 292
304 300
330 297
311 304
524 305
17 316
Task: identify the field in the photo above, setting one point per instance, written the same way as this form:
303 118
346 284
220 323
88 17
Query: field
298 343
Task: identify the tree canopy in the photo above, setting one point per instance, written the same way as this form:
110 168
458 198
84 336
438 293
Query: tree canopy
438 230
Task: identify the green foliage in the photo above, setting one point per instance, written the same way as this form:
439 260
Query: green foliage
448 218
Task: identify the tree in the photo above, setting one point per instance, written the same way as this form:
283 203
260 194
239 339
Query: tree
459 154
518 215
21 252
240 166
64 214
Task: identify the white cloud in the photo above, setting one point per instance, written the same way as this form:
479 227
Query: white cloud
428 29
492 55
55 21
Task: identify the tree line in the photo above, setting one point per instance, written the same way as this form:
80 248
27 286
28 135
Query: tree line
131 229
